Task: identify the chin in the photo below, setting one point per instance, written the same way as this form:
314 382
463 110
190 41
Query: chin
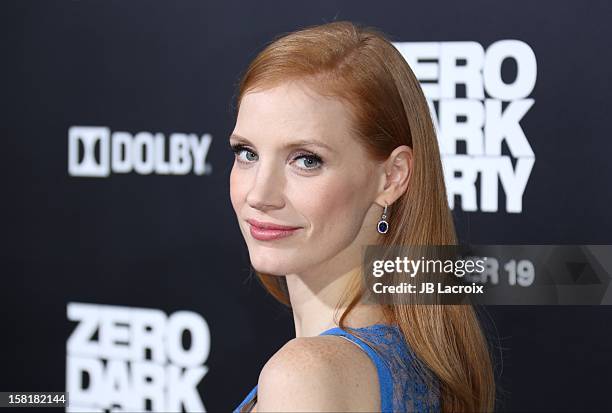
273 270
271 263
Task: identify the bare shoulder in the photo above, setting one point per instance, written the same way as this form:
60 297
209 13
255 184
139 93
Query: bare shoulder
323 373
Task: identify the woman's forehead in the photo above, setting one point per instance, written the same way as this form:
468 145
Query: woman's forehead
292 110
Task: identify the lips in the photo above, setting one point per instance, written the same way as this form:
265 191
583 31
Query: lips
267 231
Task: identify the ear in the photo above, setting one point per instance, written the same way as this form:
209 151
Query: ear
397 171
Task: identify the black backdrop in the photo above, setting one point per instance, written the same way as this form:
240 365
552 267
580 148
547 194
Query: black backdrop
170 242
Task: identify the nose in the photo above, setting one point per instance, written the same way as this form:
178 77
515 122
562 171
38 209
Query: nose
266 191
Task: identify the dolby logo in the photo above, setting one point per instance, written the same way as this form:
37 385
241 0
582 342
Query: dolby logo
96 152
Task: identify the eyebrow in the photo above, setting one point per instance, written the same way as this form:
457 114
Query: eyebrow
301 142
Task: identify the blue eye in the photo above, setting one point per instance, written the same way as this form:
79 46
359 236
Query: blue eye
239 149
310 161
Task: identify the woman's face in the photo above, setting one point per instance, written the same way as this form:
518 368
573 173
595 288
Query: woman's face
297 165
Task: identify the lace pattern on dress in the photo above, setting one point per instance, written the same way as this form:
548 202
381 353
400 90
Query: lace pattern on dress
414 388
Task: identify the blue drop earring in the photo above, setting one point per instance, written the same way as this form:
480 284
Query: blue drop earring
383 225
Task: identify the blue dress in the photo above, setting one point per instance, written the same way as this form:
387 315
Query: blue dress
405 385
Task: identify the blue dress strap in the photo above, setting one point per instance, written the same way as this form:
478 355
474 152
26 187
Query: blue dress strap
246 399
384 374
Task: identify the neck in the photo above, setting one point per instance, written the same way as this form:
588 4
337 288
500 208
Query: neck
315 297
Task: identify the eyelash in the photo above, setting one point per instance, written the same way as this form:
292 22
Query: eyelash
239 148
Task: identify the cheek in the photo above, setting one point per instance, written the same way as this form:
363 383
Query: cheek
333 208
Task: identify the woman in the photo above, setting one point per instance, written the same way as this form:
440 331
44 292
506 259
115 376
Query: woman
335 150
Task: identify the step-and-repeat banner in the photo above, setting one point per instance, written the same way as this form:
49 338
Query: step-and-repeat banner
126 281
